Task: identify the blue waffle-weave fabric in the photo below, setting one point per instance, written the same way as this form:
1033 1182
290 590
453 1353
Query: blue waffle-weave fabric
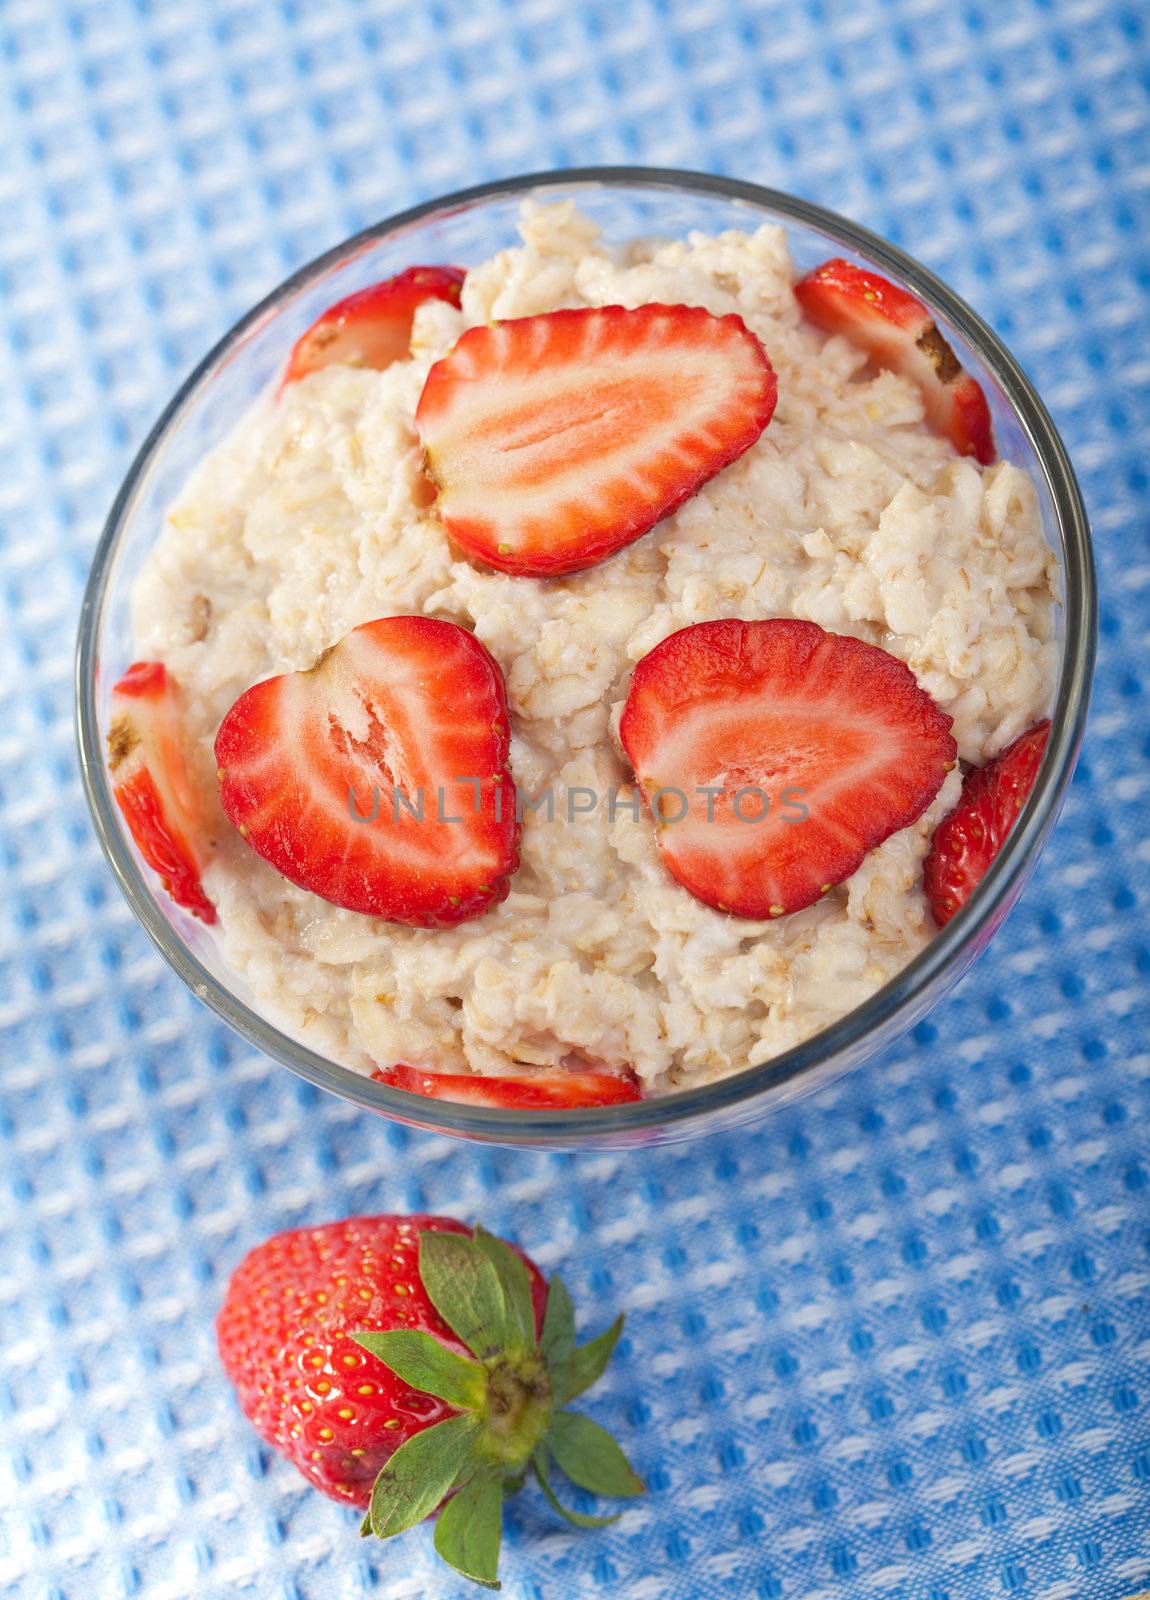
895 1342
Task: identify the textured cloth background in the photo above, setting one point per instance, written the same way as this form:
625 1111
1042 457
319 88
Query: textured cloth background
896 1342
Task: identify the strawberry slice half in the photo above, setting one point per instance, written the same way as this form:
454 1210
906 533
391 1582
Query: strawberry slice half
968 838
372 328
897 331
555 440
151 784
773 756
378 778
527 1092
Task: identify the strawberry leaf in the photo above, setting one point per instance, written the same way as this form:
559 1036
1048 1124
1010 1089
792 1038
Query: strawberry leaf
420 1359
558 1337
579 1519
587 1364
415 1479
589 1456
469 1529
515 1283
464 1288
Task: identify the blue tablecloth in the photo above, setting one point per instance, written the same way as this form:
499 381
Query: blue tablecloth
896 1342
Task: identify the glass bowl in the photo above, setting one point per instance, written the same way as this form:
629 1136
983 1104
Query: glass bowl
467 228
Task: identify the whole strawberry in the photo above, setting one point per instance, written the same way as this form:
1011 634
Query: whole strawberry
400 1360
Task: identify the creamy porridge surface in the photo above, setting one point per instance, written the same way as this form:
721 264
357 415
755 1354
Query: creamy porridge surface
312 518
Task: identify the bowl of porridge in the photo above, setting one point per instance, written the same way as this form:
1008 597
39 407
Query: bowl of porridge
588 659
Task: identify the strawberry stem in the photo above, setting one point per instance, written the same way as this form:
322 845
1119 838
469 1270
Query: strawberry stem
518 1411
509 1401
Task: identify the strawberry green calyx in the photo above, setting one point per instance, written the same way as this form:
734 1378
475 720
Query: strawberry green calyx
511 1401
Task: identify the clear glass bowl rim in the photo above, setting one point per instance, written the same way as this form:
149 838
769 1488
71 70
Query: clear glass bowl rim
951 944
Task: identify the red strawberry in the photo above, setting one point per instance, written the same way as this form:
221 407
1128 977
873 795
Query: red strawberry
151 783
967 840
399 1361
555 440
774 755
373 327
378 778
286 1342
523 1092
897 331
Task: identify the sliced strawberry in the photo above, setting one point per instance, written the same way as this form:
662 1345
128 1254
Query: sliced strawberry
814 722
897 331
555 440
151 783
373 327
378 778
967 840
527 1092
